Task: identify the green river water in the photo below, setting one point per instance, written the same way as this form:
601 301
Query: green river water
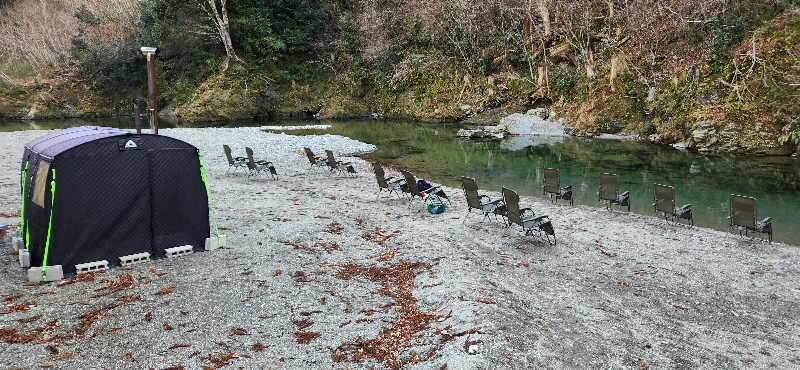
434 152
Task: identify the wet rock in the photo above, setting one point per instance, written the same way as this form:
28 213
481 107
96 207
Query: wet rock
700 131
683 145
485 132
467 109
523 124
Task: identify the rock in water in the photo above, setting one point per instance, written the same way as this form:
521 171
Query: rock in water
486 132
523 124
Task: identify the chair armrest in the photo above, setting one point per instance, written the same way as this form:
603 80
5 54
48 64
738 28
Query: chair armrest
431 189
766 221
686 206
568 188
626 194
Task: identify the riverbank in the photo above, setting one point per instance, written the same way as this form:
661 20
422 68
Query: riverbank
319 272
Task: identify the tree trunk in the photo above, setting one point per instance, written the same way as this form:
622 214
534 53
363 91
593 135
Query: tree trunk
545 14
219 15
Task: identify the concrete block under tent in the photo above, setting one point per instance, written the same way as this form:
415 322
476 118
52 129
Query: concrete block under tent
97 193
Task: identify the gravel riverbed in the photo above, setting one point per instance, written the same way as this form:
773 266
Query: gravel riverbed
321 272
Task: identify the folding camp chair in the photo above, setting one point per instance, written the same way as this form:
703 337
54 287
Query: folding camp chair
743 216
665 203
313 159
256 167
529 223
608 192
233 162
552 187
390 184
477 201
434 194
341 167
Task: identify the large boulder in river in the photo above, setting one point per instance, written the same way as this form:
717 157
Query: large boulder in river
523 124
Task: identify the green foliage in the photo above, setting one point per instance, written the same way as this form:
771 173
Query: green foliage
383 64
563 79
118 71
348 42
266 31
732 26
790 134
86 17
16 68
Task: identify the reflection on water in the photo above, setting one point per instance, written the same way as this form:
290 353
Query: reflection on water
434 151
704 181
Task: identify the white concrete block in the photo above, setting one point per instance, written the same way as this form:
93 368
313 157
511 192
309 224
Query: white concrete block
211 243
133 259
24 258
52 273
179 251
91 266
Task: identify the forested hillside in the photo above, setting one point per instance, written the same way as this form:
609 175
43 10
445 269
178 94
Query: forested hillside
723 75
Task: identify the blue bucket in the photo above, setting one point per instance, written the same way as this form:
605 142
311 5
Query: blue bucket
436 208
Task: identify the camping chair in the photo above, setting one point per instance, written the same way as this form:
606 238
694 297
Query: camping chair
608 192
478 201
552 187
665 203
743 216
342 167
433 193
390 184
256 167
529 223
233 162
313 159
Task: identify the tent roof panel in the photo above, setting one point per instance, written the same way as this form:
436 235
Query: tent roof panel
55 143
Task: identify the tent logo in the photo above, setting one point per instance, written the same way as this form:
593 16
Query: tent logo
130 145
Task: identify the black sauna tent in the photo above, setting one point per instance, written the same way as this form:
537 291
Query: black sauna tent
116 193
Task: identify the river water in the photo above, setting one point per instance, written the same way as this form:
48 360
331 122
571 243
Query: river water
434 152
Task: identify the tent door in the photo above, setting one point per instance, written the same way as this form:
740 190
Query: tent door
179 204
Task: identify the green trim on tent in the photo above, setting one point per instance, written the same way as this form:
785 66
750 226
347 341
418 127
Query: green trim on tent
208 195
49 225
22 208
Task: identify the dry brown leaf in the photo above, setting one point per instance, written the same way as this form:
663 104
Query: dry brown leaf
239 331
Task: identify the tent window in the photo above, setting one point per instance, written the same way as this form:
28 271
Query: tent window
40 183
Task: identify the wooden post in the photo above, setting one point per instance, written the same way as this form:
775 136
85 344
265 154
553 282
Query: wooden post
151 94
136 115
